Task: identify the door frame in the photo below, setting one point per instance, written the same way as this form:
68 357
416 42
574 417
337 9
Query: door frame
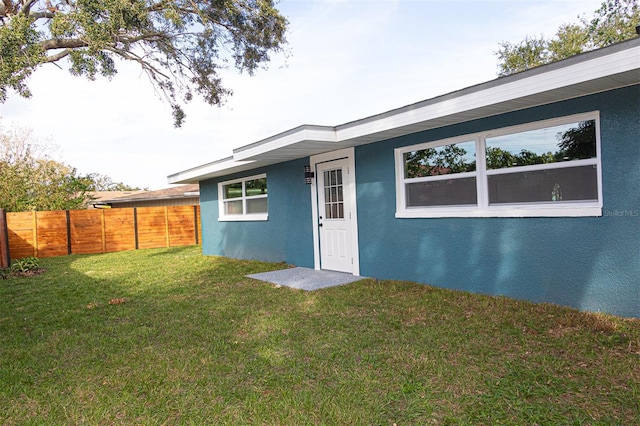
350 185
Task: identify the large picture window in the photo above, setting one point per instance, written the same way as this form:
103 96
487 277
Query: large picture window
549 168
243 199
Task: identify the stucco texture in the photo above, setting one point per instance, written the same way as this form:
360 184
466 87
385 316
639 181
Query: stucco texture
591 263
285 237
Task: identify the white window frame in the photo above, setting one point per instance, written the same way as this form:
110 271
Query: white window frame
223 217
483 209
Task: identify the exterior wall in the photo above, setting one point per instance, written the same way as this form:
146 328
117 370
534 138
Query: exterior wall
285 237
171 202
591 263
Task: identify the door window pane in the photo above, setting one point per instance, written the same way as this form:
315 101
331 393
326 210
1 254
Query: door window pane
333 194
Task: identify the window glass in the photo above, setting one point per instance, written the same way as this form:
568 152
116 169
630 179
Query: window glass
256 187
233 190
441 160
565 184
333 194
243 199
548 169
257 205
441 193
576 141
233 207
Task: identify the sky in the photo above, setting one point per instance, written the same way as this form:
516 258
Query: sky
345 60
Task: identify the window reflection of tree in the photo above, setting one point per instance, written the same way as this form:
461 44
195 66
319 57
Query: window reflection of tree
443 160
576 143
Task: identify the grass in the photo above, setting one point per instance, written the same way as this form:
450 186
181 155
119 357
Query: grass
171 337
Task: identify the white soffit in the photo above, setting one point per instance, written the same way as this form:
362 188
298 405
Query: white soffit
602 73
217 168
307 135
592 72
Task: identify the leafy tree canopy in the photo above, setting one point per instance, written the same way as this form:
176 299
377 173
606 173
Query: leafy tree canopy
31 180
180 44
98 182
614 21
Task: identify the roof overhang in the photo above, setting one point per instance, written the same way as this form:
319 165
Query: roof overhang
601 70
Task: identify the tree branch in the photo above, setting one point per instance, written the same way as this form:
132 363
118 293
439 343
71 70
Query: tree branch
42 14
63 43
26 7
57 56
133 57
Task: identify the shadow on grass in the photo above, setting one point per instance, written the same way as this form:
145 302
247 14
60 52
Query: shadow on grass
191 340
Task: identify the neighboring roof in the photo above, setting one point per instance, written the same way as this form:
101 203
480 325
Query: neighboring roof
181 191
98 197
592 72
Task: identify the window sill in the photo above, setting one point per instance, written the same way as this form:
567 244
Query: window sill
503 211
244 218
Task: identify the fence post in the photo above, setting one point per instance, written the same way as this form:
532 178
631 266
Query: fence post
135 226
195 222
68 217
35 233
166 225
103 233
5 257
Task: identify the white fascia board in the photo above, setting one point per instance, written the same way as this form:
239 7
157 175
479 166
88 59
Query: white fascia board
529 86
581 72
197 174
322 134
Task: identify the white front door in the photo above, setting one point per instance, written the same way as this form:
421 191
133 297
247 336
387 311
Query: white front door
334 215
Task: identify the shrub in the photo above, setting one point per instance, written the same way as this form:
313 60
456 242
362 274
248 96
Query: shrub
23 266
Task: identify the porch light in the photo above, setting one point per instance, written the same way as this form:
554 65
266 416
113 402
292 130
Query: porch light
308 175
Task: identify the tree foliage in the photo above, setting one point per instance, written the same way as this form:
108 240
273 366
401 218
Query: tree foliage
31 180
614 21
181 45
98 182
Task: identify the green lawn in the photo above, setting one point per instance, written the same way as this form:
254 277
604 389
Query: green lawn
171 337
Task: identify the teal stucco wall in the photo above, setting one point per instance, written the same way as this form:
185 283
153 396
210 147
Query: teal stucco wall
285 237
591 263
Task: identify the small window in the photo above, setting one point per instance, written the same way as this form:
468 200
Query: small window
243 199
549 168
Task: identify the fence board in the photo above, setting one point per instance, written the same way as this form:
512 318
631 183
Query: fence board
120 232
181 229
86 231
46 234
152 226
52 239
22 234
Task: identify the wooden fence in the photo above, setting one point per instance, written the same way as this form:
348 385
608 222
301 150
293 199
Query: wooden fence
58 233
5 260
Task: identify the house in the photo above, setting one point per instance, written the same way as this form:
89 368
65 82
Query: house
526 186
98 199
181 195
